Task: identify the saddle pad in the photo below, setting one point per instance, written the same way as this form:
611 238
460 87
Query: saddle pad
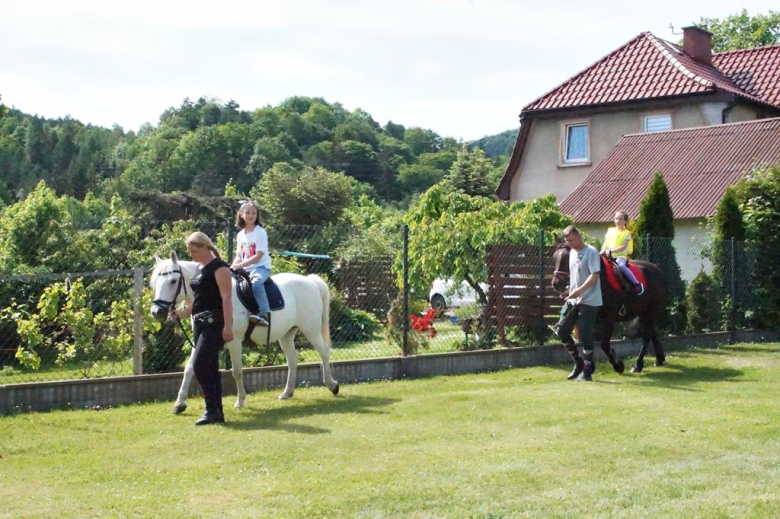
247 298
609 270
275 298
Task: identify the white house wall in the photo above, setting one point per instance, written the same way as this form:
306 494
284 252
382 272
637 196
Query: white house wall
539 171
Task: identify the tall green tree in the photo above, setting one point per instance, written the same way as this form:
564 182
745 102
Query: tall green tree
470 173
759 199
303 196
654 232
728 257
742 31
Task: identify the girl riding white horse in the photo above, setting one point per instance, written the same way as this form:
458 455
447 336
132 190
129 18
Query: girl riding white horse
306 308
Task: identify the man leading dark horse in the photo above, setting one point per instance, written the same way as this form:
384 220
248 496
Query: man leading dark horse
617 305
582 303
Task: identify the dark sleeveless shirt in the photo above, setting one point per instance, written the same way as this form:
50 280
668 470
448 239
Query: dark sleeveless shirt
205 288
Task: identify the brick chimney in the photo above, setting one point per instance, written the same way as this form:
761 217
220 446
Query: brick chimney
697 43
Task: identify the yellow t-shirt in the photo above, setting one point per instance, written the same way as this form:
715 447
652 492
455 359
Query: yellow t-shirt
615 238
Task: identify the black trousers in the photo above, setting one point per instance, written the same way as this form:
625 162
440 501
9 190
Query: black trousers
208 343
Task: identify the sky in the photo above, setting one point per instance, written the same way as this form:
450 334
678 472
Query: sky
463 68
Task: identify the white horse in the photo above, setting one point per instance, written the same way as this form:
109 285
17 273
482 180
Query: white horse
306 308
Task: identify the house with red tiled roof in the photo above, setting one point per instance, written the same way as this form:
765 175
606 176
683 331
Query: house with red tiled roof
646 85
698 165
594 140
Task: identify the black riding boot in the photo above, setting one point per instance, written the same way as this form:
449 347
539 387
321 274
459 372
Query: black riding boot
213 413
578 364
587 370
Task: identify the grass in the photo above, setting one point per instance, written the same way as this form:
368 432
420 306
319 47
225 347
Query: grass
696 438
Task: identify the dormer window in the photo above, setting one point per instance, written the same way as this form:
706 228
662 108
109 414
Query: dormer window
575 149
657 123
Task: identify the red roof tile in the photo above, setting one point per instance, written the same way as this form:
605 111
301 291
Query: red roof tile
755 71
697 163
647 67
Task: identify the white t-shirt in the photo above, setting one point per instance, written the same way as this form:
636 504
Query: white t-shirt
250 243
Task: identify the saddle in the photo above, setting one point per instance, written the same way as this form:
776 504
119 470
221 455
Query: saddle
615 276
247 298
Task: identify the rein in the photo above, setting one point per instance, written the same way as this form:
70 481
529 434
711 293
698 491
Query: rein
166 305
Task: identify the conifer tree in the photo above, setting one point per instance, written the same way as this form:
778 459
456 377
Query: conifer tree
729 233
654 232
469 173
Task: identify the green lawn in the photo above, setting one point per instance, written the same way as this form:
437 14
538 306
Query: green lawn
696 438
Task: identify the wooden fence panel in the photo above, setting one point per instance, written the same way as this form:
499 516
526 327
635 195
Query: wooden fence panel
520 292
369 286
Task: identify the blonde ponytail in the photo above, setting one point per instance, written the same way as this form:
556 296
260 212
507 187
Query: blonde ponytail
198 239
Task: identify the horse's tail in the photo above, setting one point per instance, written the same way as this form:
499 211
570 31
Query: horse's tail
325 295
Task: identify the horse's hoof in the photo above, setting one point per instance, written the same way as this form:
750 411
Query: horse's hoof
335 390
636 369
619 366
179 408
659 363
285 396
238 405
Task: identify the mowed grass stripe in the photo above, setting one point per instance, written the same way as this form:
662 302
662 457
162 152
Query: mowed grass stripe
698 437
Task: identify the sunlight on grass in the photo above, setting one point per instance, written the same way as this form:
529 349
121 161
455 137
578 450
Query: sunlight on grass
696 438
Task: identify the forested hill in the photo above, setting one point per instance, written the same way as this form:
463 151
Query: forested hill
497 145
201 147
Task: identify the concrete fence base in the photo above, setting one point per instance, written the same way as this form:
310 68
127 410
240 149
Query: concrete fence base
114 391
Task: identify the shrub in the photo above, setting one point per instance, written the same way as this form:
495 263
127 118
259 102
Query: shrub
348 324
394 330
700 298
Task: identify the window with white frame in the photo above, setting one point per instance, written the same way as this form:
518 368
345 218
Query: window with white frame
657 123
576 143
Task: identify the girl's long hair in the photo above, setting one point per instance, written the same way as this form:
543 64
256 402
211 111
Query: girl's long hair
240 223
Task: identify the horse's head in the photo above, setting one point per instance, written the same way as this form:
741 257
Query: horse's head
561 262
169 285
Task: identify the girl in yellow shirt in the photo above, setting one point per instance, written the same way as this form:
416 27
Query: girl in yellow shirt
619 242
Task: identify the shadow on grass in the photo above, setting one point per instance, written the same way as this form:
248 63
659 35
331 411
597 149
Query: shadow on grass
280 418
682 377
671 376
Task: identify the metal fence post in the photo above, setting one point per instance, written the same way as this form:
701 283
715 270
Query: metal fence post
230 245
733 308
540 323
138 321
647 248
406 289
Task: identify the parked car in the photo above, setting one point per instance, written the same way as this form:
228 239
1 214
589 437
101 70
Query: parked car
444 294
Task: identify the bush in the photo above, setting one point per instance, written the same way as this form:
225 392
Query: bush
394 330
347 324
700 299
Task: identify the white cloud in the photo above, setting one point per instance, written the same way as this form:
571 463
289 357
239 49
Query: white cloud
169 13
285 65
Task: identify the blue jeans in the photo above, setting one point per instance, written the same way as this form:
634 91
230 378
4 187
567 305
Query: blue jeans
259 276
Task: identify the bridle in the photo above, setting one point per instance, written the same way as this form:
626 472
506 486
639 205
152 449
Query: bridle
166 305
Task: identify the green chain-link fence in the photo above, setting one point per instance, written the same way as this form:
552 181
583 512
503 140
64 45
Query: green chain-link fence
73 300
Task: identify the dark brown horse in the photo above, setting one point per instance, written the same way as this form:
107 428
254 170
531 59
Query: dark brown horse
620 306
